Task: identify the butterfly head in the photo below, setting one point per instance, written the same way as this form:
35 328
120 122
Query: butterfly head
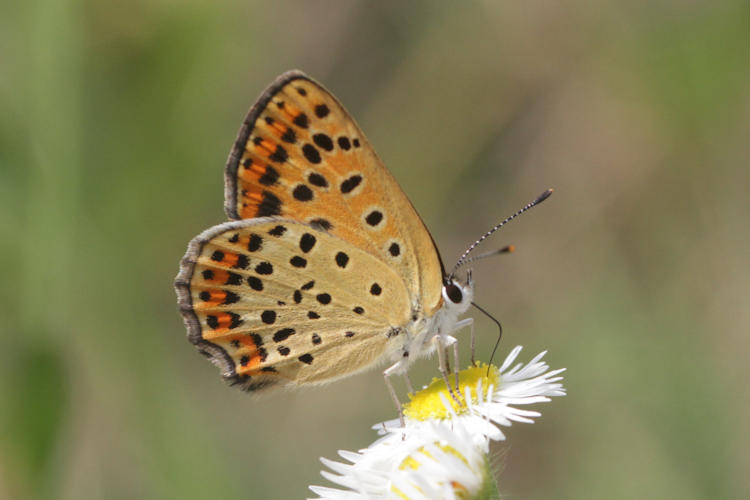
457 294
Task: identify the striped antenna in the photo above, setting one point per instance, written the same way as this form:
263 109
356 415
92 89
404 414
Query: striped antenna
462 260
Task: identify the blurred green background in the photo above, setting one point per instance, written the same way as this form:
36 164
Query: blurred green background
115 122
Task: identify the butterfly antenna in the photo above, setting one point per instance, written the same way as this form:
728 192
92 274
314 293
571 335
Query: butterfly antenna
499 335
537 201
505 249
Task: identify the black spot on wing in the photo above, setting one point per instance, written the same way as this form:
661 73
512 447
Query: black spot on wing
307 242
321 224
283 334
279 155
342 259
301 120
264 268
323 141
349 184
269 206
255 243
302 193
298 261
317 180
289 136
374 218
311 153
255 283
242 262
270 177
268 317
257 340
321 111
233 279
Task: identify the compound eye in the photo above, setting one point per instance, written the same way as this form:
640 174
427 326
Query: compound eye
454 293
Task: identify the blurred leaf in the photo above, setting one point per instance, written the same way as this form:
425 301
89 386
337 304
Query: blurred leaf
37 389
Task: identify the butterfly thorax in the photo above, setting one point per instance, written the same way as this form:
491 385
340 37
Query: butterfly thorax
420 332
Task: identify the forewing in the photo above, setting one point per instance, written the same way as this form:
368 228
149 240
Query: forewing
275 302
299 155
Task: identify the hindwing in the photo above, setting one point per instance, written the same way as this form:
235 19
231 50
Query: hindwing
275 301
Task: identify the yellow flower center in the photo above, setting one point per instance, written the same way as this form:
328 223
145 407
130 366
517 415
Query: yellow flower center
420 456
427 403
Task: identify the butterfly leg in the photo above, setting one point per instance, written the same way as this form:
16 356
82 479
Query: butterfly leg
448 369
443 362
395 368
470 323
409 387
454 341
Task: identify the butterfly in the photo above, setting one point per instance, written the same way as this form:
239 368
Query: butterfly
325 268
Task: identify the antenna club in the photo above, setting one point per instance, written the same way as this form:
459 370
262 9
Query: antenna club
544 195
511 248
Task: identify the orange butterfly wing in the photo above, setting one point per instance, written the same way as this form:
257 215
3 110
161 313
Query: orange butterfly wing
300 155
327 267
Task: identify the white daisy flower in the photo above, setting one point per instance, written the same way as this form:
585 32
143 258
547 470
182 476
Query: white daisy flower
489 396
441 452
431 461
